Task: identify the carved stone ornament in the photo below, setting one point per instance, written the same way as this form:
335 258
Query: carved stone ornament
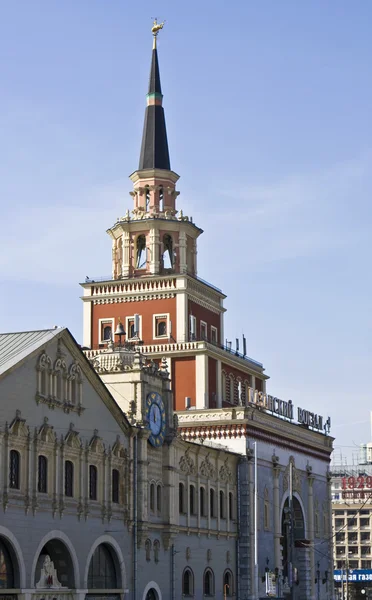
48 575
207 469
296 477
186 464
225 472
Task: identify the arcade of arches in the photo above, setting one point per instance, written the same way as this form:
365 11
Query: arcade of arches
55 571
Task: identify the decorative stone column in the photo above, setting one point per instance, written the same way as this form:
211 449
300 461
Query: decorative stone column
310 528
182 242
276 510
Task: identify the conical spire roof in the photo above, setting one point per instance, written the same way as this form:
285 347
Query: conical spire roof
154 149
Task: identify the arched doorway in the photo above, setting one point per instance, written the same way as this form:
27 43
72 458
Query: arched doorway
104 573
152 595
9 570
298 543
54 567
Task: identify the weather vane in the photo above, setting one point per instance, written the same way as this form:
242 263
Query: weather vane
156 27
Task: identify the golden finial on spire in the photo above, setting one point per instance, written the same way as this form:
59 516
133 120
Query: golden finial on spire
155 29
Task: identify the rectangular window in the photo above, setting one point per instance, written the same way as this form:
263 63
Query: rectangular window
115 486
105 330
192 328
42 474
214 335
161 327
69 479
14 469
133 327
92 482
203 330
192 500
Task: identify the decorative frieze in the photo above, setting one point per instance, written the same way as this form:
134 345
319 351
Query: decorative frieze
187 464
207 469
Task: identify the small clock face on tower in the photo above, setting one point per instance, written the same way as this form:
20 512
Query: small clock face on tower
155 415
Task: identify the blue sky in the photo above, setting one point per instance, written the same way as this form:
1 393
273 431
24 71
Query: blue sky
268 108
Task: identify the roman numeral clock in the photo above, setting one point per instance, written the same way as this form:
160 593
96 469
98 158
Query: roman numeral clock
155 416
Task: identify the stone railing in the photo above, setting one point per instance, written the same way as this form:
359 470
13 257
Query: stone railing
134 287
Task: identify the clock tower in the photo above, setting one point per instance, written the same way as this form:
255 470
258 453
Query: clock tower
154 295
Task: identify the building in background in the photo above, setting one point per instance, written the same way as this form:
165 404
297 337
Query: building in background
155 300
351 488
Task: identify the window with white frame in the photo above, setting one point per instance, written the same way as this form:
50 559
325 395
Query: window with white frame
214 335
134 327
203 330
161 326
105 330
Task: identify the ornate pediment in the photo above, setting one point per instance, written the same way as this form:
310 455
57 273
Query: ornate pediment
18 426
96 444
72 438
207 469
118 449
187 464
225 472
46 432
296 477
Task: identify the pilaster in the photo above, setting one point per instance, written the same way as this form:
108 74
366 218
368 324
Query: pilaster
202 392
310 529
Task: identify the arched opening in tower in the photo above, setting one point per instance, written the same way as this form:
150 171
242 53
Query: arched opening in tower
141 252
168 255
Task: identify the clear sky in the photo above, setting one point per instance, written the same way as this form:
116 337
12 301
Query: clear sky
268 109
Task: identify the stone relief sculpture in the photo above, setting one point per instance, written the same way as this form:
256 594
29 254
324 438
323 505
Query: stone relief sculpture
207 469
225 472
296 477
48 575
186 464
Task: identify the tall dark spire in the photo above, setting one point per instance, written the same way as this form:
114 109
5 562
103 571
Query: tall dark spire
154 149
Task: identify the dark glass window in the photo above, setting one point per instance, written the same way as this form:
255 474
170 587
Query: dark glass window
231 506
181 497
69 479
208 583
152 497
211 502
158 498
107 331
102 572
227 584
6 568
187 583
202 502
115 485
14 469
42 475
92 482
161 328
192 500
222 505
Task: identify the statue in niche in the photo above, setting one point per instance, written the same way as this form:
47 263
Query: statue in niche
48 575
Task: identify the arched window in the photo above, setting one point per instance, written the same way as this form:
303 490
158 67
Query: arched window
208 583
42 474
102 572
152 497
107 333
93 482
168 256
69 479
44 388
228 584
222 505
115 486
192 499
141 252
147 192
59 386
231 506
181 498
161 327
148 550
211 503
161 200
156 550
158 498
6 568
187 583
14 470
202 502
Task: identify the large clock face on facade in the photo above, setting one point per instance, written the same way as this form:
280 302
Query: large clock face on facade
155 416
